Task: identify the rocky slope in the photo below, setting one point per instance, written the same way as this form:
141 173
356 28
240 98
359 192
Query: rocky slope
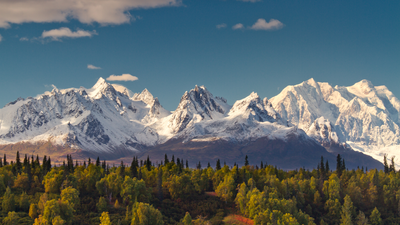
111 121
362 116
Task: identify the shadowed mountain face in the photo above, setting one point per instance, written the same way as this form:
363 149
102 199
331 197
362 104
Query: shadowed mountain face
114 123
296 152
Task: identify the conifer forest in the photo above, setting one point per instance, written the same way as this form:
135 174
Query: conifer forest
33 191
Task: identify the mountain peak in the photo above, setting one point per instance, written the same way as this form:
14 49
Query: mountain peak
100 82
144 96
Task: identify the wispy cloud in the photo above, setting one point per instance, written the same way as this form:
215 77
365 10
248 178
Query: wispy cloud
24 39
1 38
65 32
238 26
90 66
220 26
262 24
123 77
86 11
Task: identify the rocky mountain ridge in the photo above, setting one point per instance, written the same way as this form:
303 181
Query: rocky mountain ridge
110 119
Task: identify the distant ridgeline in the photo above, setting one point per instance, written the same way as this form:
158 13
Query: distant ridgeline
170 192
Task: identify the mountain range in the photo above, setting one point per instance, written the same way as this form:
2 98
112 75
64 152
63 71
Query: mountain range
291 130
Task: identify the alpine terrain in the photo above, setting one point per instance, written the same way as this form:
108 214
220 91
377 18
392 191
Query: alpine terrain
291 130
363 116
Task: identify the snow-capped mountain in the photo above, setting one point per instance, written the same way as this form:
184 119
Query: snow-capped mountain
98 119
364 116
109 119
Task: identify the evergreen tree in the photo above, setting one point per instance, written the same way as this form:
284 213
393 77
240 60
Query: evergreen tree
392 168
375 217
385 164
187 164
339 165
218 166
187 220
166 160
133 167
18 163
262 165
1 162
89 161
5 163
361 219
148 163
327 166
98 161
122 169
173 159
246 161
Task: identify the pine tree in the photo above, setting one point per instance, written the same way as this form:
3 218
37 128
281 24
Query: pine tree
339 165
187 164
173 159
385 164
1 162
392 168
5 160
375 217
89 161
327 166
218 166
166 160
148 163
98 161
246 161
133 168
361 219
262 165
18 163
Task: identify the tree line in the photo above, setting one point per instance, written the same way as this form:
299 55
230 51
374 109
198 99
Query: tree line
33 191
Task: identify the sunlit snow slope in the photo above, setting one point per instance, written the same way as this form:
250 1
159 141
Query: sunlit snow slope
364 116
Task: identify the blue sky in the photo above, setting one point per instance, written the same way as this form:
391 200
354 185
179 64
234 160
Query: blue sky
171 45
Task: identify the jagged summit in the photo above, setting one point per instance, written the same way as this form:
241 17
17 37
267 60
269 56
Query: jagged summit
361 115
144 96
109 118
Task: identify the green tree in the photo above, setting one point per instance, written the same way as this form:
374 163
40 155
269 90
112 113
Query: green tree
11 218
361 219
105 219
134 190
58 221
102 205
375 217
187 220
33 211
143 214
70 196
225 189
8 203
347 212
24 202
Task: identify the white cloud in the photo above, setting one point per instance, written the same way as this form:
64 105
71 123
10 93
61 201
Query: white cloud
90 66
238 26
24 39
220 26
261 24
123 77
86 11
64 32
1 38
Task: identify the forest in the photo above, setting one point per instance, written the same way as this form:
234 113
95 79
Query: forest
33 191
